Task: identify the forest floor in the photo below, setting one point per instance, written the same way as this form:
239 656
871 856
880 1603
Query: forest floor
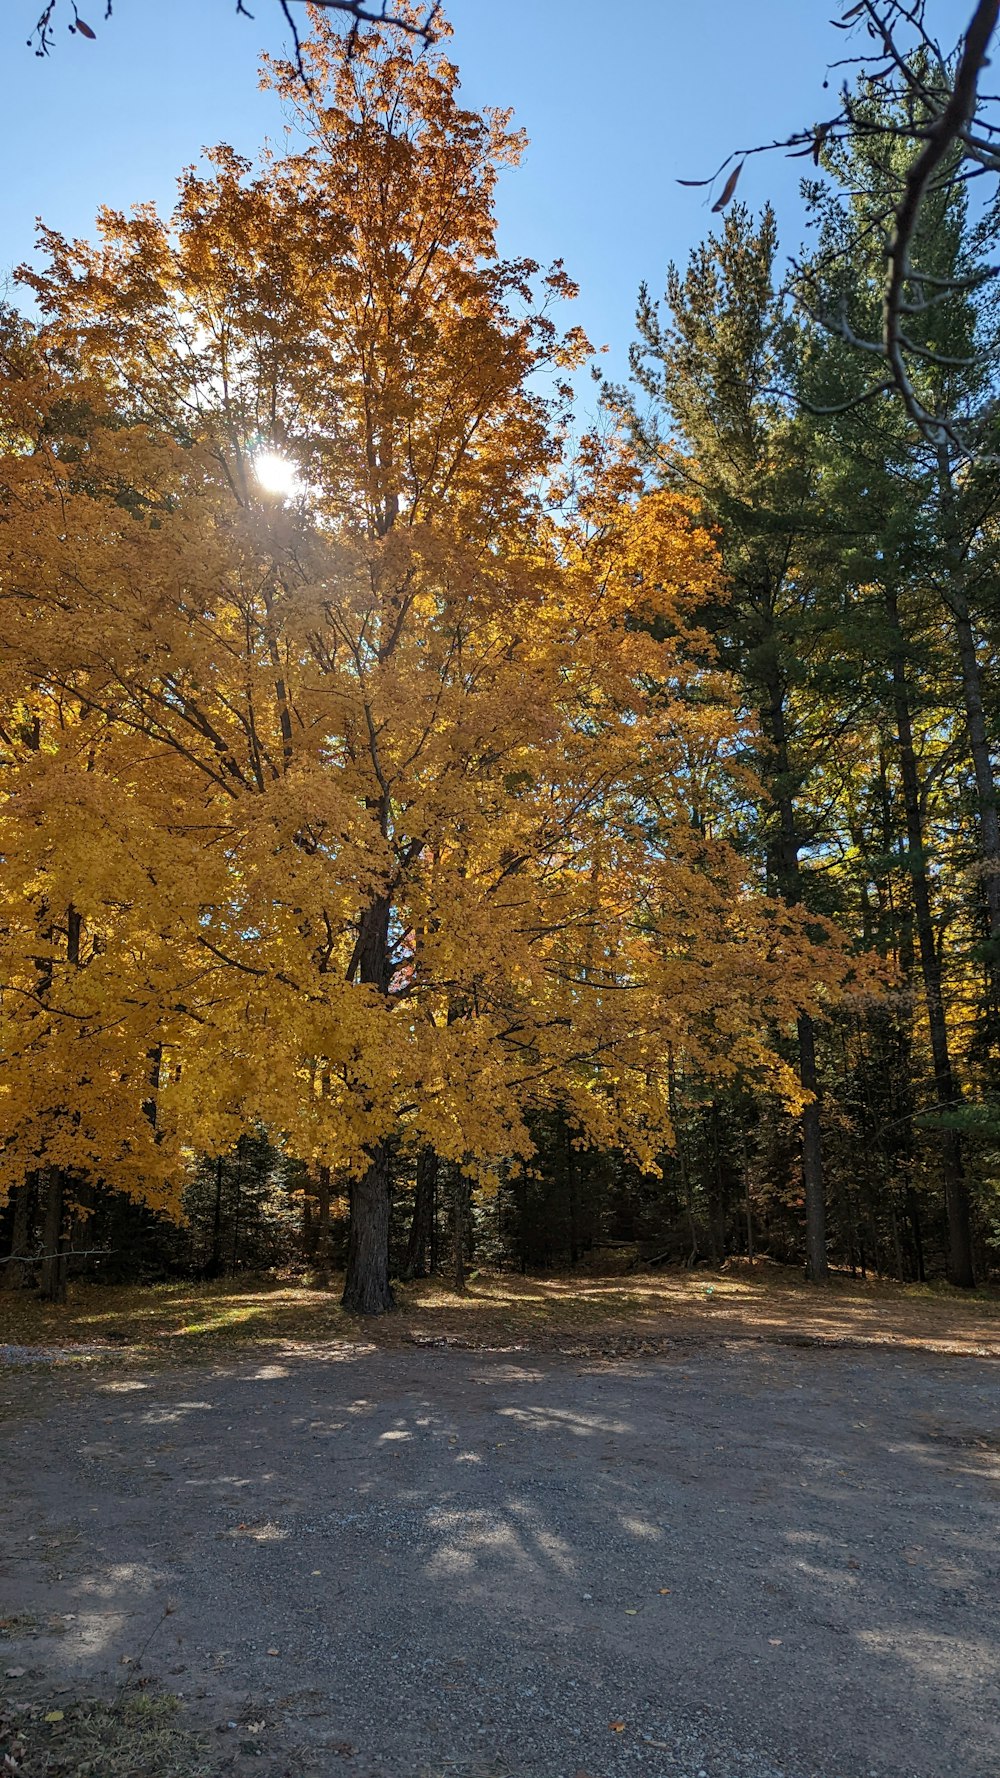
626 1314
654 1535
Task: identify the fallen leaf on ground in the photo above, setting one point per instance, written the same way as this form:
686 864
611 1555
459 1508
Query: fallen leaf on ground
55 1715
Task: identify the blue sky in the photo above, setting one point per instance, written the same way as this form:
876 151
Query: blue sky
620 98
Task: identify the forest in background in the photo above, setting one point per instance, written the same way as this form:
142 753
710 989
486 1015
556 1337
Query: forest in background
507 835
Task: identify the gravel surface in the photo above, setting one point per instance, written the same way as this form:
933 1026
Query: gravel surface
16 1356
743 1563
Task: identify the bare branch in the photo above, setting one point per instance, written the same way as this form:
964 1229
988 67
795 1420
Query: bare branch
940 117
387 12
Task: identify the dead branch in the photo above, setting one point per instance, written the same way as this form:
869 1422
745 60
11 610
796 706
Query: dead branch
36 1259
387 12
942 117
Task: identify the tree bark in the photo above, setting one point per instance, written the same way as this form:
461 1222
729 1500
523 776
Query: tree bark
716 1192
460 1206
323 1229
747 1201
215 1256
956 1193
52 1279
817 1267
956 599
236 1209
366 1282
367 1290
790 887
17 1273
913 1211
421 1223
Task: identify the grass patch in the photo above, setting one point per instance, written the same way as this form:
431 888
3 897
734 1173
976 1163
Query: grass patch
580 1313
88 1738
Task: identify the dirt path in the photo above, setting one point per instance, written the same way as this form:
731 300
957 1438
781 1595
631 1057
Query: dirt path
750 1562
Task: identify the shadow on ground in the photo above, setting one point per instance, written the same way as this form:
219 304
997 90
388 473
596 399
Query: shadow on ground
745 1562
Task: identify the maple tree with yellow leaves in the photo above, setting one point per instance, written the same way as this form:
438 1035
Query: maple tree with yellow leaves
366 769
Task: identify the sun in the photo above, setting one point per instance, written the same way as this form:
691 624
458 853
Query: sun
276 475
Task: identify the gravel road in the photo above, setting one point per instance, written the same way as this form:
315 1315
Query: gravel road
743 1563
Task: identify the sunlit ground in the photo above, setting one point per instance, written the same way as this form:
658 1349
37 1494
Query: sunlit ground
600 1314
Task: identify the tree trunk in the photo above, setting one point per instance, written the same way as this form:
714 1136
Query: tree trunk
323 1230
897 1245
366 1285
366 1281
960 1268
459 1216
308 1220
574 1200
215 1256
790 887
421 1223
956 599
17 1273
913 1211
236 1209
52 1279
522 1223
747 1203
716 1193
817 1268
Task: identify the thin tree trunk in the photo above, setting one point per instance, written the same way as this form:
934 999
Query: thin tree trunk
574 1200
913 1211
897 1245
790 887
308 1221
434 1222
323 1229
236 1208
717 1195
685 1177
421 1222
16 1274
746 1199
956 599
817 1267
367 1290
960 1268
522 1221
460 1204
215 1257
